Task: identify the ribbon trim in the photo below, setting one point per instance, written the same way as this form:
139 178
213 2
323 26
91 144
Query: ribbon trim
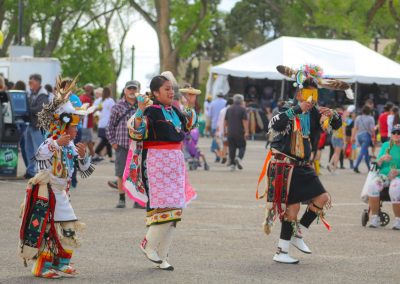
262 175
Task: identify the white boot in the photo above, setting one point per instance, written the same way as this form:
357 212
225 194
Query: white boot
298 241
164 246
152 240
375 221
282 255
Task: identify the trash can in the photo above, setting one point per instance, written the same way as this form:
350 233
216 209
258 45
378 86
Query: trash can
13 112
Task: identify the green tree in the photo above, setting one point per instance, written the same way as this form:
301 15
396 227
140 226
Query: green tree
250 23
47 24
386 16
328 19
109 17
180 26
86 53
8 23
53 18
215 47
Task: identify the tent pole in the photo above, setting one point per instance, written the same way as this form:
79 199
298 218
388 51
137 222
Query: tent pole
282 88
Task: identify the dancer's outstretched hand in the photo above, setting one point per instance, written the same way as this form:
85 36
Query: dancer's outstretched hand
325 111
190 99
81 149
142 101
63 140
306 106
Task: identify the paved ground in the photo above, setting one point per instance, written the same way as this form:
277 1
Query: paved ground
220 239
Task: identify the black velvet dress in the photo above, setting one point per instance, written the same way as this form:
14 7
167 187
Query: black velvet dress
305 184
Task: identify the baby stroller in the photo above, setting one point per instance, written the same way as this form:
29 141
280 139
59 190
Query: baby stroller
192 152
383 196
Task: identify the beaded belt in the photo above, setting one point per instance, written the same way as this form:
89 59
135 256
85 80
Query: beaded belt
279 157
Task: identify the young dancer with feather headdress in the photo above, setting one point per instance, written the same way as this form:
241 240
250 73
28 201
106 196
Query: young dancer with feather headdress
49 225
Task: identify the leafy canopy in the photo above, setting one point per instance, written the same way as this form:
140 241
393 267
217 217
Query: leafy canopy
183 14
86 53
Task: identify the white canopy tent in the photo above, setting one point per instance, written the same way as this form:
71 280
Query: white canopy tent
346 59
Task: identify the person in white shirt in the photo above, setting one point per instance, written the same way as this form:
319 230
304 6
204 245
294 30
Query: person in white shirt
393 119
98 94
220 131
106 104
97 103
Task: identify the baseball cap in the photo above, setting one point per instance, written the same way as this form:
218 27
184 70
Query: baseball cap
132 83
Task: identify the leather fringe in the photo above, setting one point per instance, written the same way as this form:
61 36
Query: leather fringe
88 172
43 164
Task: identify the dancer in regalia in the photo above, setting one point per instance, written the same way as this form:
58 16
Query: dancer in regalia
158 168
49 225
291 179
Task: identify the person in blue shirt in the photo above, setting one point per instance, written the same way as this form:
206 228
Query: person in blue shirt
215 108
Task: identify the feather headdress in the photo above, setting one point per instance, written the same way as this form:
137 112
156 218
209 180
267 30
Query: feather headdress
60 112
314 72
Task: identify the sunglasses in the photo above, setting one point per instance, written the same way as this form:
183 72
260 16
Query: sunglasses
131 88
397 132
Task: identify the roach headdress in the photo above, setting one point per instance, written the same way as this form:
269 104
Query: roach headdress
314 72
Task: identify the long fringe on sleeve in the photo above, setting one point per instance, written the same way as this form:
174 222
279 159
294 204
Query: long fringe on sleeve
86 173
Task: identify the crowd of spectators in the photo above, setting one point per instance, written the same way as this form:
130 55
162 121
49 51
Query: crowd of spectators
39 94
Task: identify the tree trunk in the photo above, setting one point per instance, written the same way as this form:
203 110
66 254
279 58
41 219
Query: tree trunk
121 45
372 12
26 32
113 64
54 37
170 63
2 12
396 17
169 54
12 31
168 57
6 44
395 48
